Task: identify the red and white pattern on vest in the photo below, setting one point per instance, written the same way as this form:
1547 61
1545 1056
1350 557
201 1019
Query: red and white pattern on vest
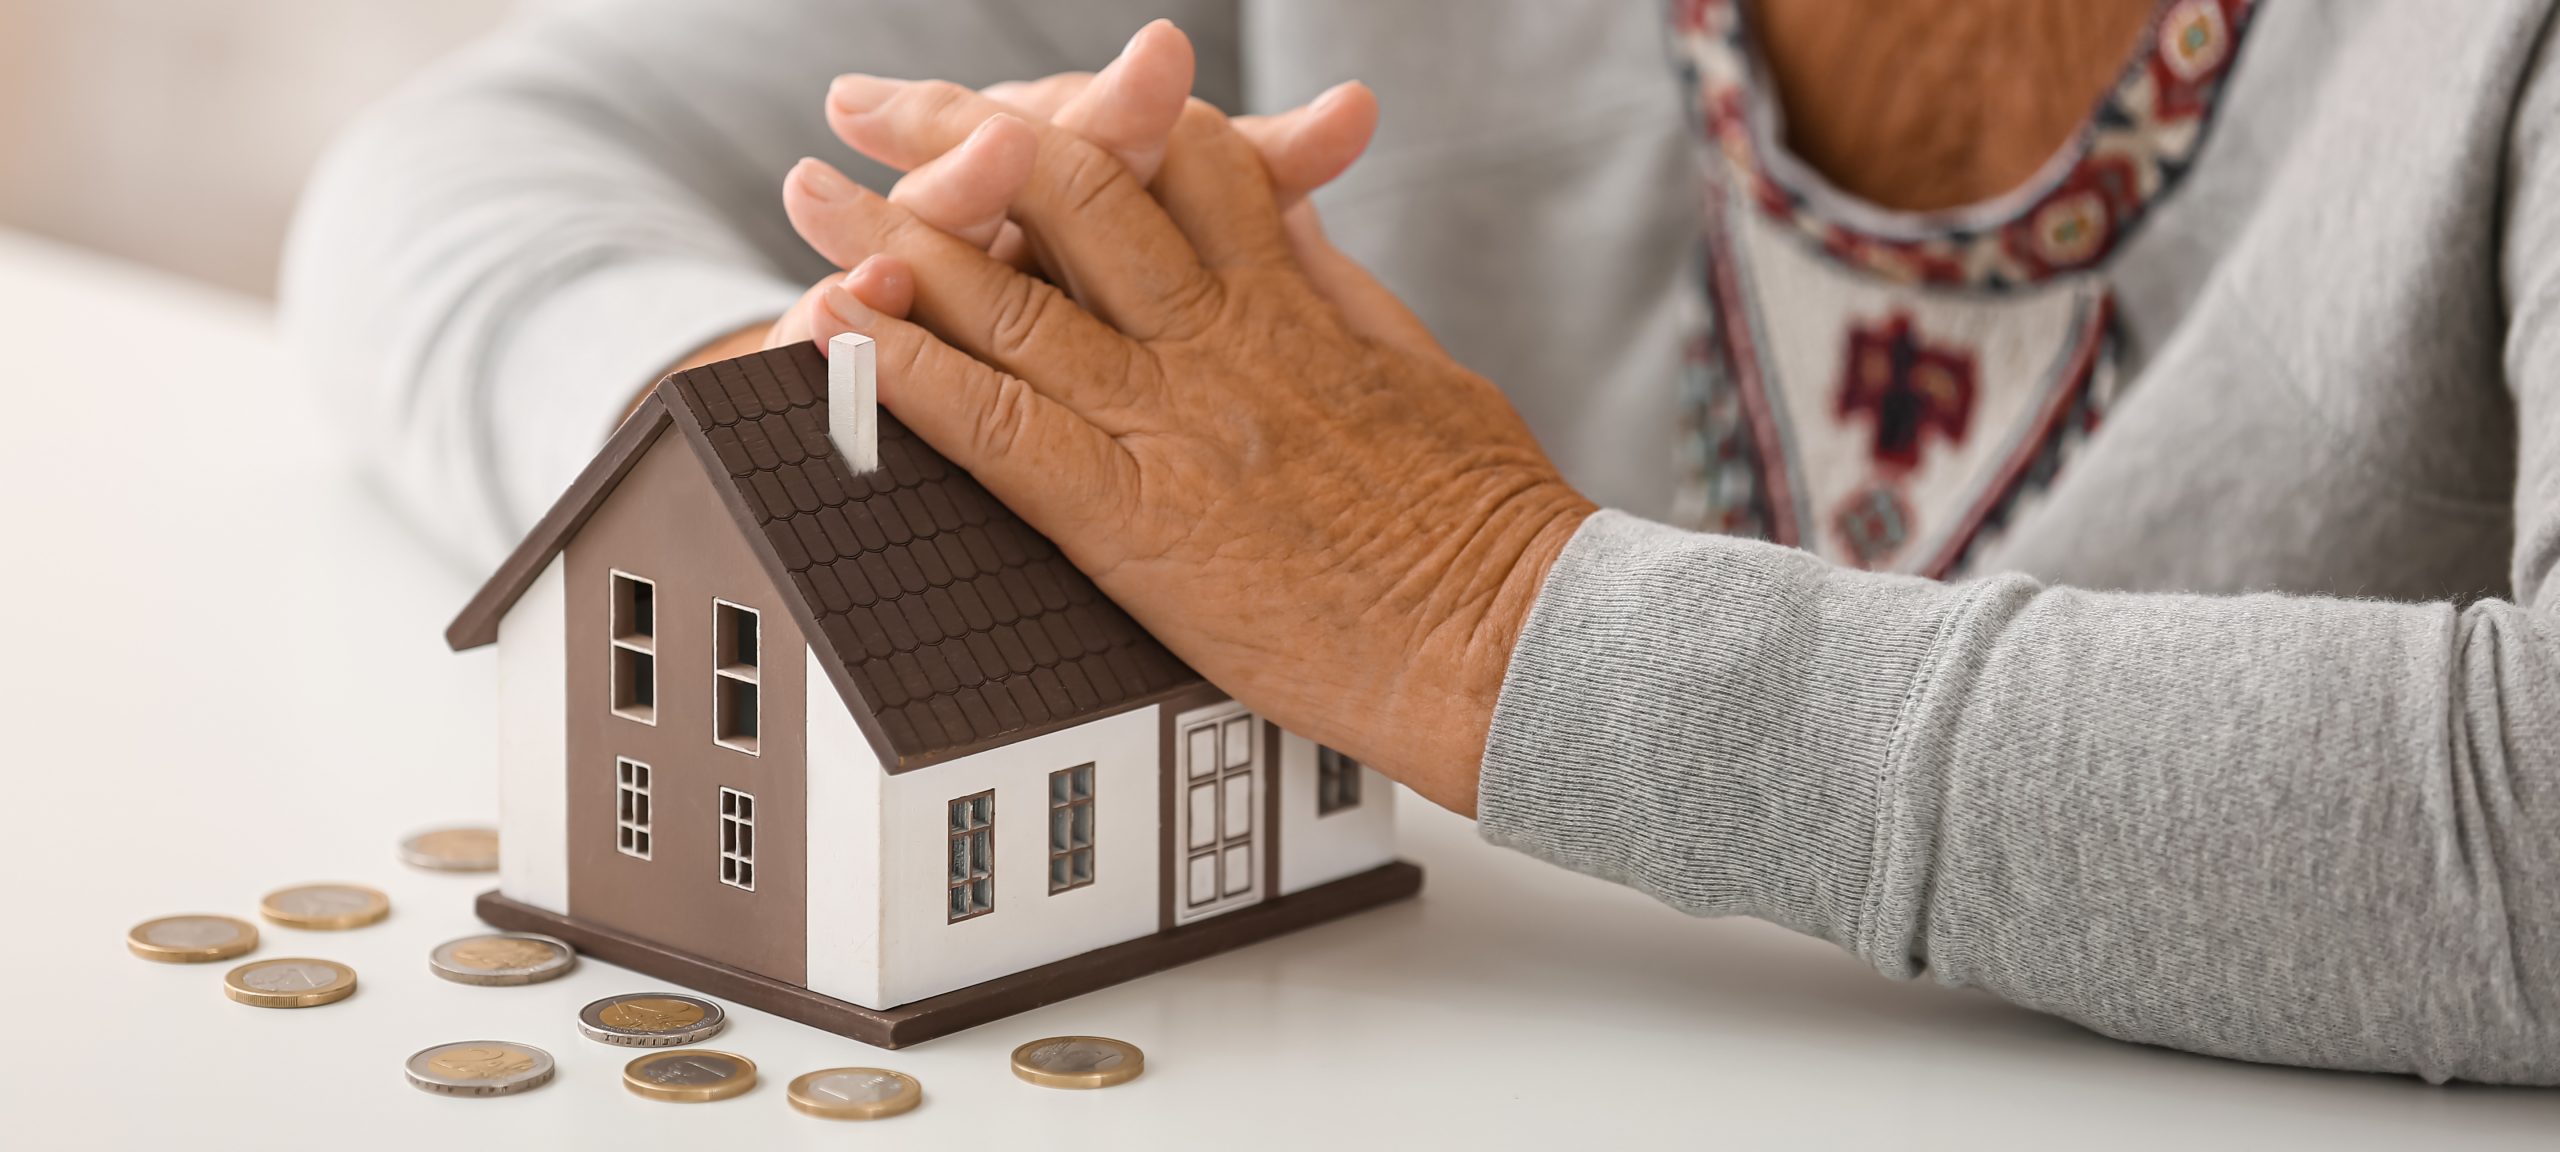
1892 390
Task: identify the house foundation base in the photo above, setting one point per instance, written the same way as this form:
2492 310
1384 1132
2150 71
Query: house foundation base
978 1003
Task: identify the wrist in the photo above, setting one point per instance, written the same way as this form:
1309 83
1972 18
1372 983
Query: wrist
1450 697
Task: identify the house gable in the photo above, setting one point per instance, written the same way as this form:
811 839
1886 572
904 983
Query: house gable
948 625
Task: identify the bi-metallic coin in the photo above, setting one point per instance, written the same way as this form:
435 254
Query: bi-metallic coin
452 850
325 907
856 1093
690 1076
480 1068
289 982
191 939
1078 1062
651 1020
502 958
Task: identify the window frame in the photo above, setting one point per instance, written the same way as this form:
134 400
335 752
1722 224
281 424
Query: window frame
1337 782
727 672
972 867
737 839
629 645
1064 849
632 823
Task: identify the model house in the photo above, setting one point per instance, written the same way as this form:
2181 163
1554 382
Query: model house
793 712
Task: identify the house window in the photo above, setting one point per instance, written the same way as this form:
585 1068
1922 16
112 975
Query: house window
973 856
631 807
1337 782
737 839
734 644
1070 828
634 627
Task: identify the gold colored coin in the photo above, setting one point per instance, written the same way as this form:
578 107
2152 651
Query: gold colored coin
856 1093
1078 1062
291 982
325 907
652 1014
452 850
191 939
690 1075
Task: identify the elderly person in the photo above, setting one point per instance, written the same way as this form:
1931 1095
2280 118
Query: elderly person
2158 628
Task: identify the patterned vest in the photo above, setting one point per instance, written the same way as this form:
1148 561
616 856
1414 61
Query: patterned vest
1892 390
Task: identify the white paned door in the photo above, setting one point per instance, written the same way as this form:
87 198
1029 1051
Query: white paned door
1218 824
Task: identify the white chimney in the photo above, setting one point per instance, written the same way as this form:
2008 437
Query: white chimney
853 401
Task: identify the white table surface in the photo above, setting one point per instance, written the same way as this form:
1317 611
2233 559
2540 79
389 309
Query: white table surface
224 673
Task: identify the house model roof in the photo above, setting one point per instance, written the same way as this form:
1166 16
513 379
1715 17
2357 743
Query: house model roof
948 624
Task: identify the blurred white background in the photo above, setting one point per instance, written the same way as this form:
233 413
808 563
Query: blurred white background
178 132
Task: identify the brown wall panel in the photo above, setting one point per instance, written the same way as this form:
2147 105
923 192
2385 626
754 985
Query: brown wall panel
664 522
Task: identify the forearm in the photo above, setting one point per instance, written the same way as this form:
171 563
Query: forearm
2293 830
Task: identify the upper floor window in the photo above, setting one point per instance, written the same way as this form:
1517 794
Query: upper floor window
735 644
737 839
1337 782
1070 828
973 856
631 807
634 629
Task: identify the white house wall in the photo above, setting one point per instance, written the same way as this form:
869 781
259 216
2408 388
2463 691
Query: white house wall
533 746
923 953
1316 849
845 784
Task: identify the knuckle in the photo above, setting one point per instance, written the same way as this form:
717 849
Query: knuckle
1191 308
1087 175
937 98
1004 421
1026 309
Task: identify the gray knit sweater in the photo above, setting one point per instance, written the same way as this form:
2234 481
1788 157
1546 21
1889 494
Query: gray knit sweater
2256 753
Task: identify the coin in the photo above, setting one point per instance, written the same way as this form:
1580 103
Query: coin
292 982
1078 1062
470 849
191 939
325 907
651 1020
691 1076
501 958
480 1068
856 1093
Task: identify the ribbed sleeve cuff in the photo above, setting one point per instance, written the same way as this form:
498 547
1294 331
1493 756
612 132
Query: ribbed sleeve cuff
575 362
1712 721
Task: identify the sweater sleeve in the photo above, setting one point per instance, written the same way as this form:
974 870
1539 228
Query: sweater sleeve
489 267
2298 830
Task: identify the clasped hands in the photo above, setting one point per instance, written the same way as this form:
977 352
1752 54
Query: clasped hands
1110 304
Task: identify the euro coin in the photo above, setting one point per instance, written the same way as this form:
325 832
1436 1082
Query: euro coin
652 1020
292 982
856 1093
452 850
191 939
1078 1062
325 907
480 1068
501 958
692 1076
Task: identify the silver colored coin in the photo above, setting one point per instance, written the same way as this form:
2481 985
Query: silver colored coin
502 958
480 1068
194 932
652 1020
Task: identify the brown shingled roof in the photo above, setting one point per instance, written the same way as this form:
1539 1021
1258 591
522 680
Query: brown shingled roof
948 624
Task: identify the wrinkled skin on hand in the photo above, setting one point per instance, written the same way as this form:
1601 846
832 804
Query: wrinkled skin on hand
1321 512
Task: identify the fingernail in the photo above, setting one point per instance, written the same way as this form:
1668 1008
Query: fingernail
1143 29
821 179
1331 96
854 94
847 309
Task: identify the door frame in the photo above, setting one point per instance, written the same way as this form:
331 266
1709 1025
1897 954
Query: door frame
1261 773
